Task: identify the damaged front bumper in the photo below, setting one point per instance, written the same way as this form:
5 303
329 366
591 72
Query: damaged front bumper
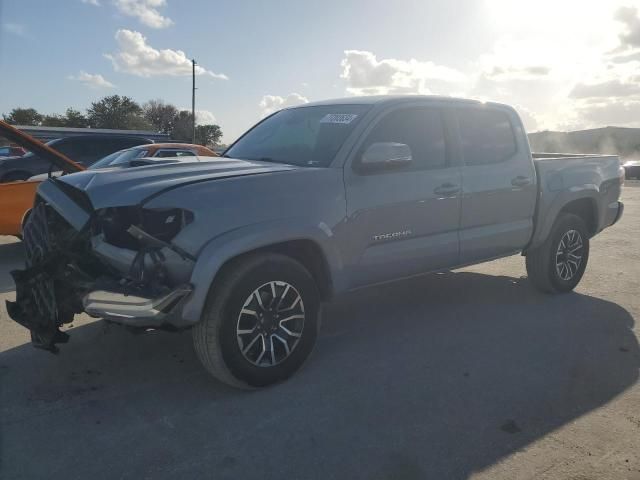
72 268
137 311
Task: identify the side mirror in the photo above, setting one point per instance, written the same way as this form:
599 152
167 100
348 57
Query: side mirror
385 156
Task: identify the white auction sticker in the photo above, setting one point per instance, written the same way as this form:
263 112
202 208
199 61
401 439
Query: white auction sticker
341 118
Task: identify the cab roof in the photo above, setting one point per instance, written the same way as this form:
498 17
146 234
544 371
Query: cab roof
391 99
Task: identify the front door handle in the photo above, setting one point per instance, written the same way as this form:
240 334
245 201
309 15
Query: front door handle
520 181
447 190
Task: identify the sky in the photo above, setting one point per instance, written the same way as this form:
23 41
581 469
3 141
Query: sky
564 64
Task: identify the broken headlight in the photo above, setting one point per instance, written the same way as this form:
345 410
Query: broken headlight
163 224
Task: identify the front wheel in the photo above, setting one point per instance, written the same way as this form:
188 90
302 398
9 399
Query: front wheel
557 266
260 321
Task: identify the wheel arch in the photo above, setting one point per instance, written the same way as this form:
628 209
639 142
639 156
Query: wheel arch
585 208
312 247
584 204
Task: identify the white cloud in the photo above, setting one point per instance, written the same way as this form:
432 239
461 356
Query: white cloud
564 62
137 57
610 88
272 103
203 117
513 72
15 29
95 3
146 11
92 80
630 36
366 75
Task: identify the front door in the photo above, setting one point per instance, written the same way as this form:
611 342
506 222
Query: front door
403 221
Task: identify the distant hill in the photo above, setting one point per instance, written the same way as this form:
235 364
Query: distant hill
624 142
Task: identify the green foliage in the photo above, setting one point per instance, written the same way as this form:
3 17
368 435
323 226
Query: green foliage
117 112
75 119
183 127
208 135
124 113
23 116
160 115
71 119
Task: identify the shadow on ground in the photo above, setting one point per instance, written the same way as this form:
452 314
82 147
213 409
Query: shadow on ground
435 377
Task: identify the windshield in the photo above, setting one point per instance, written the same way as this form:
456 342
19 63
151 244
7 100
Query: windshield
304 136
118 158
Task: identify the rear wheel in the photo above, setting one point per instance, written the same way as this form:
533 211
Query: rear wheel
557 266
260 321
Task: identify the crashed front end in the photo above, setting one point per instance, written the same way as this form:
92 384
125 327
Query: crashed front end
114 263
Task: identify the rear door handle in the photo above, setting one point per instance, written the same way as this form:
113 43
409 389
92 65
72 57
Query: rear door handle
520 181
447 189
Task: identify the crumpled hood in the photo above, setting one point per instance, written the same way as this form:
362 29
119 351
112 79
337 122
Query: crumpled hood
131 186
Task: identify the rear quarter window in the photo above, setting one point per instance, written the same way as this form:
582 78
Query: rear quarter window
487 136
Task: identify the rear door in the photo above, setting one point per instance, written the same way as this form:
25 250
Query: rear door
498 179
403 221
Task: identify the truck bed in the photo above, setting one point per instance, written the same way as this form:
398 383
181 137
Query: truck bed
590 178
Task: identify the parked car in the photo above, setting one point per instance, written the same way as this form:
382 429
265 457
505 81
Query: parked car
153 154
12 151
16 198
632 169
84 149
312 202
146 155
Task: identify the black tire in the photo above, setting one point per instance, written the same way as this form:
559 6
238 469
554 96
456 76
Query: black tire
542 263
16 177
216 338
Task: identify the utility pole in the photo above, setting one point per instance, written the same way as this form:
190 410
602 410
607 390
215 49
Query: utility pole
193 98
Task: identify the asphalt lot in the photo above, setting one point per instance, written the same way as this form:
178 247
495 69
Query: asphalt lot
470 374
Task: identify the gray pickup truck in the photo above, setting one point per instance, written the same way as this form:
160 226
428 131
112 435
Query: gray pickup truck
312 202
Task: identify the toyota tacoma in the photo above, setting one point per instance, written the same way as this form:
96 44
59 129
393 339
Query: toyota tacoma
312 202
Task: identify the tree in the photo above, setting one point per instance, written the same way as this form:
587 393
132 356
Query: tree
160 115
71 118
23 116
116 112
53 120
75 119
183 127
208 135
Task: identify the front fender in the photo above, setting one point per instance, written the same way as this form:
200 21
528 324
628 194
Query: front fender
227 246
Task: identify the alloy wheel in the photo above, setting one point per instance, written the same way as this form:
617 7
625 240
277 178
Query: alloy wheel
569 255
270 324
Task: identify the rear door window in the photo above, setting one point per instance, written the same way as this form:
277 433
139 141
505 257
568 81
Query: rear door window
487 136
